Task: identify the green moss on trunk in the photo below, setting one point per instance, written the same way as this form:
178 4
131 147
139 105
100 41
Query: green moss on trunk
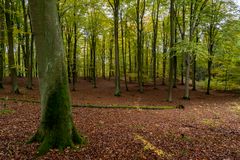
56 128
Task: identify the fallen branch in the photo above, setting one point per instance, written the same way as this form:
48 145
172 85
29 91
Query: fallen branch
101 106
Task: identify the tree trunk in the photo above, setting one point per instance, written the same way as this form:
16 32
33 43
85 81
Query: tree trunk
164 42
155 34
187 55
194 72
110 59
117 69
69 40
187 77
74 69
139 19
2 47
30 61
13 72
19 66
26 39
56 128
172 41
175 60
103 57
84 58
210 52
124 55
93 46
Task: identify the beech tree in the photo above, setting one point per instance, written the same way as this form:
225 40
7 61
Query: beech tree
115 8
56 128
172 42
10 23
2 38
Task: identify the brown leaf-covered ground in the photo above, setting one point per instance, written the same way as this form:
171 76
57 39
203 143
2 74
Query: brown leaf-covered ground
208 127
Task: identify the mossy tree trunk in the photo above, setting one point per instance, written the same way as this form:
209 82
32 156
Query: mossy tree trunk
56 128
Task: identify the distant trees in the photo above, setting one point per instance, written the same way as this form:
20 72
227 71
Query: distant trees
135 41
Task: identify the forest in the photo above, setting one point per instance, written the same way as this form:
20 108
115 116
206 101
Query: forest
119 79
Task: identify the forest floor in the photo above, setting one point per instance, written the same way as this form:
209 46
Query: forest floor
208 127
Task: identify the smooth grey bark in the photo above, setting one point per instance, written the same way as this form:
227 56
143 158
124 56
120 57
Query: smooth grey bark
56 128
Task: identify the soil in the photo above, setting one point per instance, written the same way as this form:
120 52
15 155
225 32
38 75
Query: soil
207 128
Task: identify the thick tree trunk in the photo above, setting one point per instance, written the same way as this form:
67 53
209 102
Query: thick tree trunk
56 129
110 60
13 72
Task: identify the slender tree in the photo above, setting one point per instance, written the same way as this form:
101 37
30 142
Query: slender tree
103 56
10 24
2 38
140 10
74 69
115 7
155 14
172 43
123 53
